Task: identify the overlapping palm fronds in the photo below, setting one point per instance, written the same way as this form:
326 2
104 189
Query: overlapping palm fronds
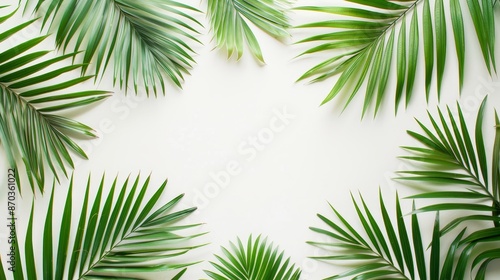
34 92
370 35
258 260
146 39
454 164
228 19
121 234
381 250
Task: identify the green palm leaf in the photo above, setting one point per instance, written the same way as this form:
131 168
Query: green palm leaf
228 19
364 40
463 250
146 39
124 235
462 167
258 260
379 250
33 100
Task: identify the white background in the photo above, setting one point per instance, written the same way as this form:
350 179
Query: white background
320 156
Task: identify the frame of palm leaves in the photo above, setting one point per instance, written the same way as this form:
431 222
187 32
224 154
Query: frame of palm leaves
149 40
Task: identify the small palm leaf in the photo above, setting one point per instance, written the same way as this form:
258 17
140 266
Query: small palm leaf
118 236
380 250
31 101
366 40
228 19
146 39
258 260
457 167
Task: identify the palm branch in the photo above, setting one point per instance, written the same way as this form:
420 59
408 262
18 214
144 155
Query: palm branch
463 181
34 93
228 19
379 250
146 39
258 260
364 41
123 235
461 164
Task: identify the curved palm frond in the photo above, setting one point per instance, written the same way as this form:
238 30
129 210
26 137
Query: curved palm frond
228 22
146 39
258 260
370 253
33 94
366 40
456 167
123 234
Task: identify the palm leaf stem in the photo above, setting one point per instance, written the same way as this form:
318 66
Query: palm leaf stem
29 107
383 33
495 202
103 256
127 18
388 262
392 25
478 182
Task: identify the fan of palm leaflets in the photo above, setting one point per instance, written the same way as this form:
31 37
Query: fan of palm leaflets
366 38
381 250
463 179
228 21
146 39
121 234
33 93
258 260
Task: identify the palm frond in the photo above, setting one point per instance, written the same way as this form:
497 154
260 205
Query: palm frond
146 39
379 250
117 234
461 164
32 101
366 41
258 260
464 255
228 19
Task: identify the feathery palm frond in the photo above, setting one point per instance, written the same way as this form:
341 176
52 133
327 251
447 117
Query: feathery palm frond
366 40
121 234
228 22
463 174
380 252
462 167
145 38
31 99
258 260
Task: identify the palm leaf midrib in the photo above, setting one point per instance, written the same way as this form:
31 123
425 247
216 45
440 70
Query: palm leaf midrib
382 258
147 43
126 17
107 252
474 176
27 104
390 26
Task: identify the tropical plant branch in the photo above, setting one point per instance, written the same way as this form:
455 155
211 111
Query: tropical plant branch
494 200
110 250
475 179
393 24
138 34
44 122
387 261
